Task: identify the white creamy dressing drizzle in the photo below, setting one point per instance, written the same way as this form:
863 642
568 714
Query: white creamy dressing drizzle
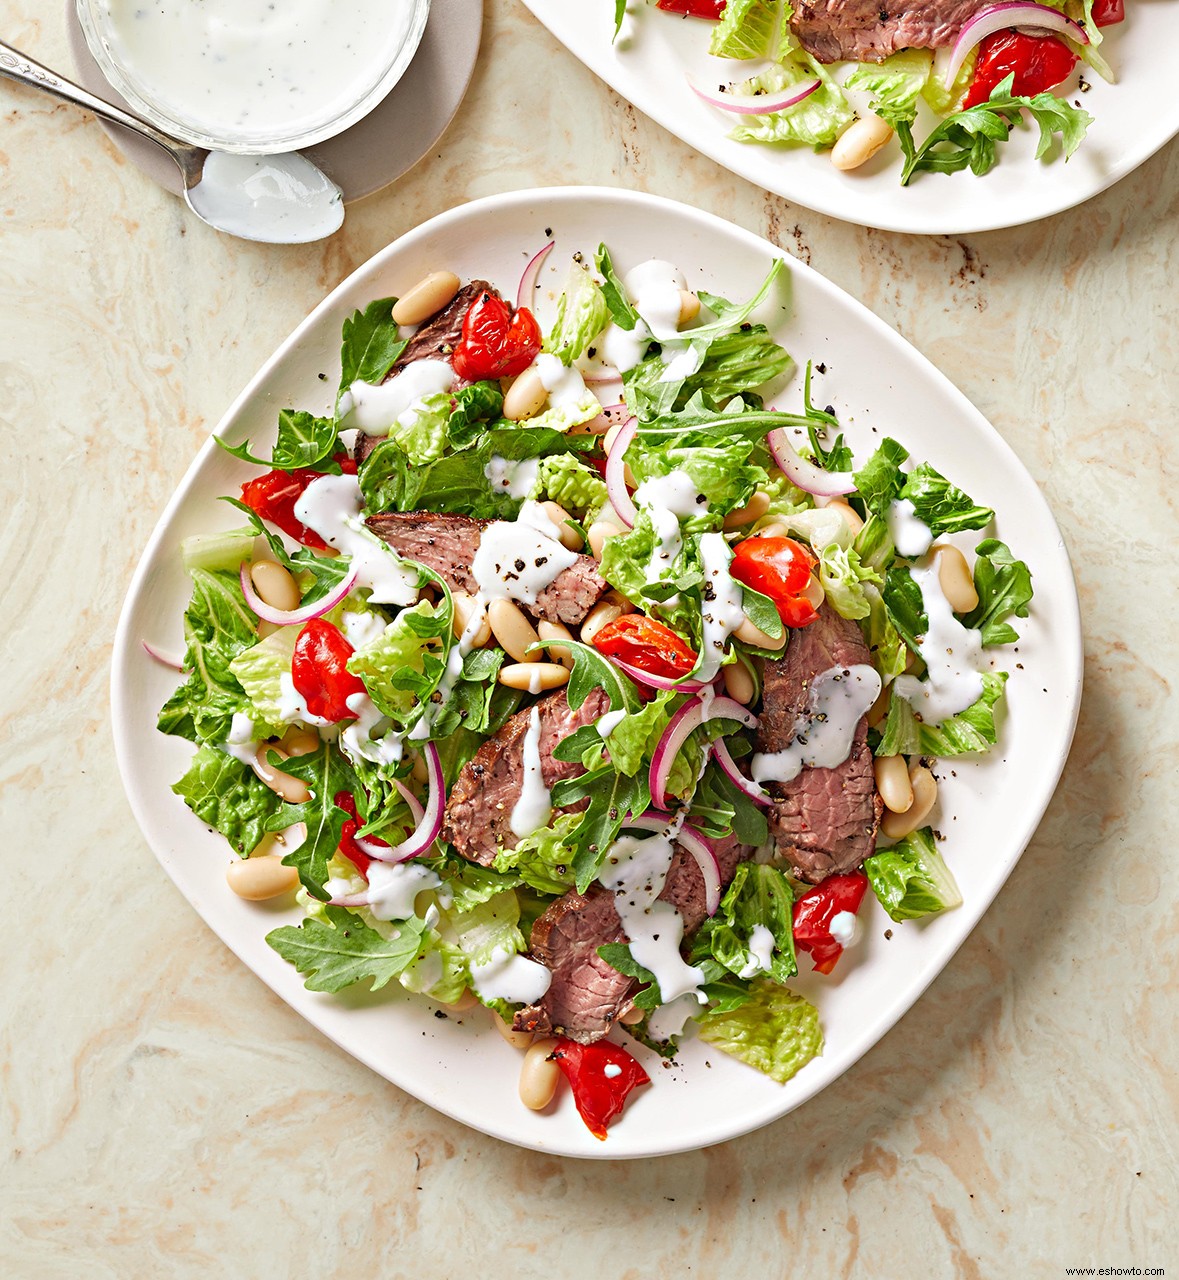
331 506
393 886
565 386
292 705
824 732
517 559
454 669
843 928
356 739
670 1019
515 477
280 199
609 722
721 611
361 629
534 808
635 870
953 655
510 976
241 743
625 348
761 952
668 500
910 536
611 1070
682 360
375 409
654 290
253 68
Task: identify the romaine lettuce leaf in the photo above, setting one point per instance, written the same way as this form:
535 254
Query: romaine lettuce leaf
968 731
259 670
544 860
759 895
895 84
401 668
745 30
1004 587
911 879
565 479
843 578
582 314
230 797
775 1030
816 121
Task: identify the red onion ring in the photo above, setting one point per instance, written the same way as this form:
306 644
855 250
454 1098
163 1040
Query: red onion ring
728 766
415 805
162 656
531 272
999 17
806 475
686 720
429 826
639 676
620 499
293 617
692 842
756 104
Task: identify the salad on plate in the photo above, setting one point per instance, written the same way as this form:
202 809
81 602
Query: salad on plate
560 674
949 79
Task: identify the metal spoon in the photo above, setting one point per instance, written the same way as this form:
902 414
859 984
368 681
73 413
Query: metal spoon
280 199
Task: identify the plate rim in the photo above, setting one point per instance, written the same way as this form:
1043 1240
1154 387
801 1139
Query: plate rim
123 728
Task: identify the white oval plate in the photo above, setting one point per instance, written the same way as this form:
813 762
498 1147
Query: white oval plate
989 808
1132 120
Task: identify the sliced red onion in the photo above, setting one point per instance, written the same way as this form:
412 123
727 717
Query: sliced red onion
756 104
350 900
293 617
999 17
692 842
754 790
807 475
685 721
620 499
639 676
529 278
427 828
162 656
415 805
599 377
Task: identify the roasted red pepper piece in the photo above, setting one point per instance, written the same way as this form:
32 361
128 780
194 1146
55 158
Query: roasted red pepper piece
781 569
815 910
1037 62
319 671
1107 13
348 846
496 341
646 644
694 8
273 496
602 1077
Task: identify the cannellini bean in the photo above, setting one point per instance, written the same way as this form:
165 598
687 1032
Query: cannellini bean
513 630
426 298
292 789
924 784
859 142
539 1075
556 631
753 510
631 1017
953 574
517 1039
534 677
813 591
747 633
273 582
892 781
850 518
775 529
300 742
689 307
570 538
465 607
739 682
526 396
597 533
608 609
257 879
267 629
468 1000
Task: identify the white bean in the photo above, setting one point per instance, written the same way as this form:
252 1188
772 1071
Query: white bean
953 575
850 518
689 307
597 533
273 582
468 1000
534 677
775 529
609 609
465 608
859 142
513 630
300 742
570 538
426 298
813 591
747 633
739 682
892 781
517 1039
539 1075
292 789
924 784
525 397
754 509
257 879
556 631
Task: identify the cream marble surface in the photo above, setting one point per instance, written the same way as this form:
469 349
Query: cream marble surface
161 1113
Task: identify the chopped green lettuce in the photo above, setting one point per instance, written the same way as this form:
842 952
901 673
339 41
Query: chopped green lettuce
745 30
895 84
544 860
816 121
565 479
424 437
843 578
213 551
582 314
911 878
760 895
402 666
228 796
1004 587
259 670
970 730
774 1030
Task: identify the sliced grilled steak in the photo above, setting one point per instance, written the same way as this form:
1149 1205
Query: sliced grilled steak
447 544
434 340
824 821
869 31
586 995
479 812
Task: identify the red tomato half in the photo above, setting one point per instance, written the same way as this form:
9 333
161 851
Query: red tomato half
496 342
781 569
1038 63
273 496
815 910
320 673
602 1077
646 644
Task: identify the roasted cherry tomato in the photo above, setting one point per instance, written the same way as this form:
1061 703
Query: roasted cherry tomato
1107 13
273 496
694 8
601 1076
320 674
646 644
815 910
1038 62
781 569
348 846
496 342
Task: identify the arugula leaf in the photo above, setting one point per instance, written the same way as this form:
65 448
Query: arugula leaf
717 796
970 730
940 505
593 670
911 878
228 796
304 441
732 314
619 15
370 345
618 956
612 796
339 949
1004 587
625 316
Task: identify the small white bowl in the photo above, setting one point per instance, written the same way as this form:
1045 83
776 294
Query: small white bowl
161 98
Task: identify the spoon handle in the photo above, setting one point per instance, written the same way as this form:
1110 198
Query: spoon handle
24 70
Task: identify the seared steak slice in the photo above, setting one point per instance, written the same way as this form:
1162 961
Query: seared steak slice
869 31
479 812
586 995
447 544
434 340
824 821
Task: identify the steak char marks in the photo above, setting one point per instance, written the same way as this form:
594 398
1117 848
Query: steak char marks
872 30
823 822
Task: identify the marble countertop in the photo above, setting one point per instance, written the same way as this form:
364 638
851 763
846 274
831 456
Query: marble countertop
162 1113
